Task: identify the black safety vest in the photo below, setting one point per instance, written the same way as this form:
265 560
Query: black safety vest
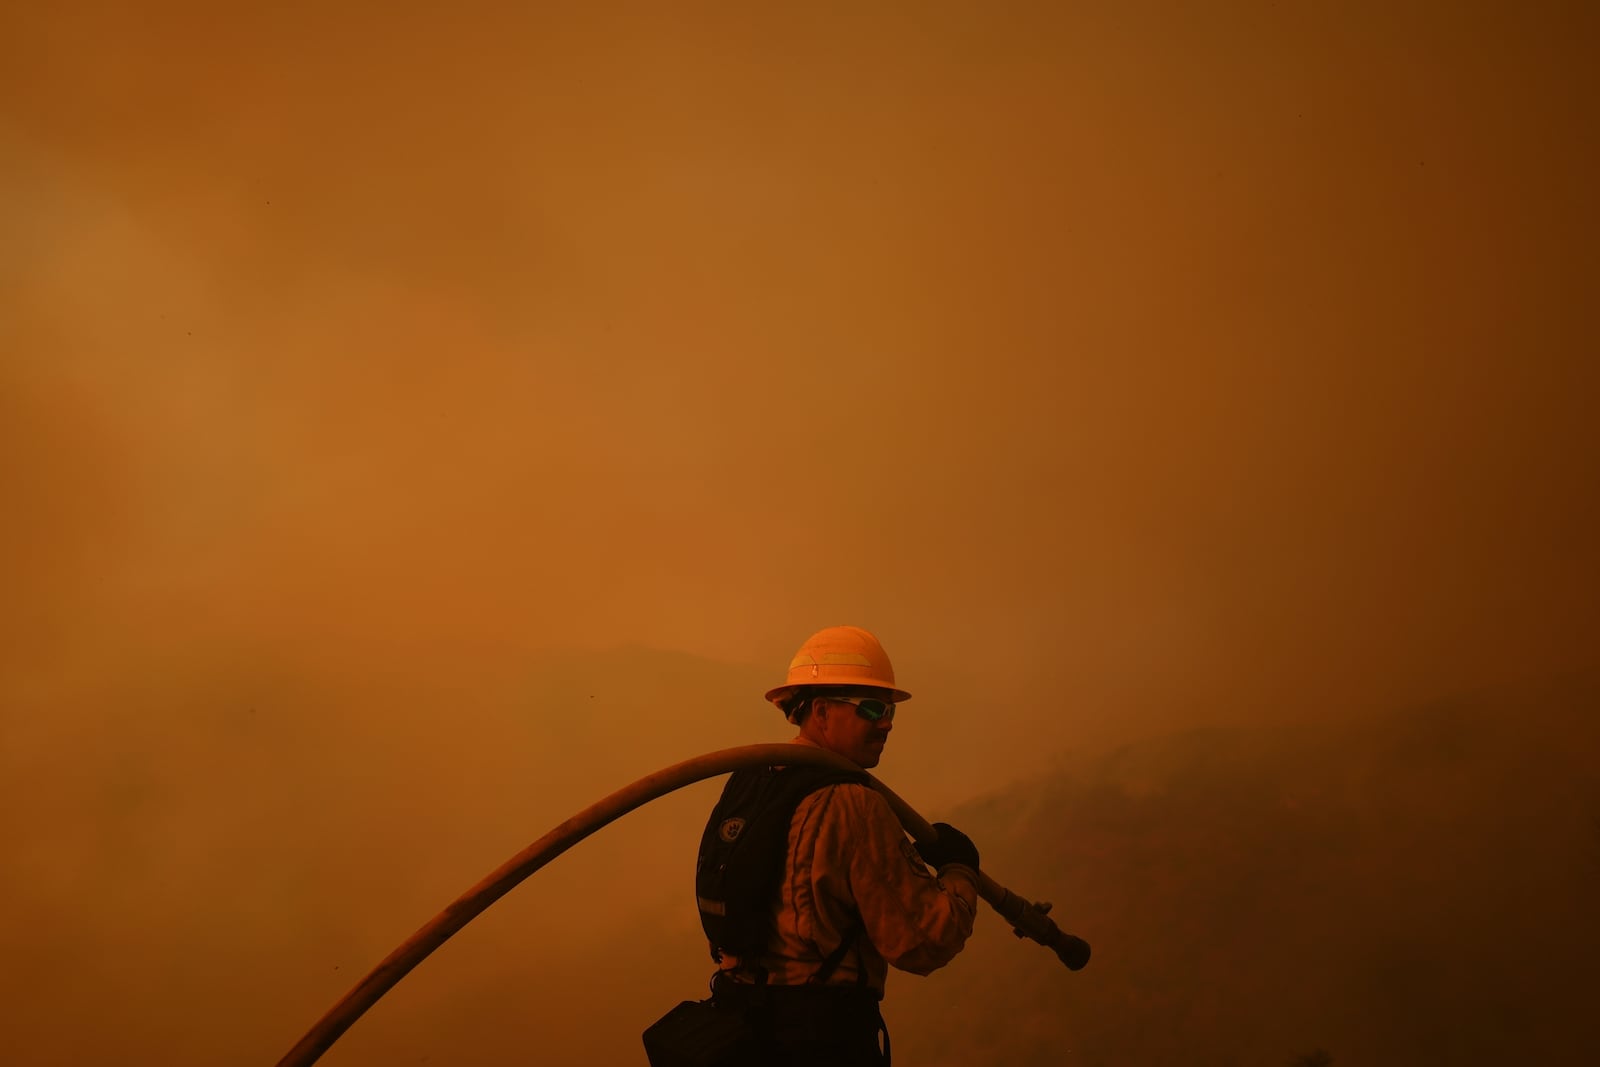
742 853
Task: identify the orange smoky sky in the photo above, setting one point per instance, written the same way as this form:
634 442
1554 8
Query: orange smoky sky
369 373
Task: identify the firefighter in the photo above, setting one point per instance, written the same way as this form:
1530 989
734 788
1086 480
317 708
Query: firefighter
855 896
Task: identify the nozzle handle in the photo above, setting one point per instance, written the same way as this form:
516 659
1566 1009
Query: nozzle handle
1031 921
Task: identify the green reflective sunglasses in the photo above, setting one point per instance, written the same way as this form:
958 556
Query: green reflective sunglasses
870 708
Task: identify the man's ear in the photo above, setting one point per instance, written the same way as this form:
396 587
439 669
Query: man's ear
819 708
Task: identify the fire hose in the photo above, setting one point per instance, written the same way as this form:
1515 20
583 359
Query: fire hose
1027 920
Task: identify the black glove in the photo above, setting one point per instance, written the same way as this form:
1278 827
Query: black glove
953 846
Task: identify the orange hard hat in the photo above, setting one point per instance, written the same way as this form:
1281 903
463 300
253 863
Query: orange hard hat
839 655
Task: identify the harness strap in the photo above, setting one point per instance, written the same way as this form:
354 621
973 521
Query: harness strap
836 957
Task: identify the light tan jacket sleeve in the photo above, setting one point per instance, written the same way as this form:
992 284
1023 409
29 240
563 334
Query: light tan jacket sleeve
850 864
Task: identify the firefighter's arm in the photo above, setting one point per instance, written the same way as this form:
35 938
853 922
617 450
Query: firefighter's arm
916 919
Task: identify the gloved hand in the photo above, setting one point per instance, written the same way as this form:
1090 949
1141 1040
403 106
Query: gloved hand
953 846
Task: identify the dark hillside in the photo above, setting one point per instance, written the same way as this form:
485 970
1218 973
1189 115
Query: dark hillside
1407 889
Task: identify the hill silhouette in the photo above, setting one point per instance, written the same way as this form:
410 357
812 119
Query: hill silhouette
1414 887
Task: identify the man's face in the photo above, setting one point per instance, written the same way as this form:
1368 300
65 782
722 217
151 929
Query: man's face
840 728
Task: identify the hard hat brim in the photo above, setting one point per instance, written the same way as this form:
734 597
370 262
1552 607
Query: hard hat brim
782 692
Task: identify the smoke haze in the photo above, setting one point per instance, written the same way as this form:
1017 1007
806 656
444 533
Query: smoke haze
413 427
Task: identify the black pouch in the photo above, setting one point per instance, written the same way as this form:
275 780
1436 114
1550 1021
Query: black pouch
701 1033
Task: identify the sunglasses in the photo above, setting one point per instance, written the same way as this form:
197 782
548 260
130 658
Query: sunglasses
870 708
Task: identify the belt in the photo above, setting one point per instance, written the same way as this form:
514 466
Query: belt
805 1013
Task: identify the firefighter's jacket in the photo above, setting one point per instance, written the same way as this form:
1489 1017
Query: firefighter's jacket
850 865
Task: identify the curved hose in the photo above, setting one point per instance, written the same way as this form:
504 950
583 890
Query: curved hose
1029 920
